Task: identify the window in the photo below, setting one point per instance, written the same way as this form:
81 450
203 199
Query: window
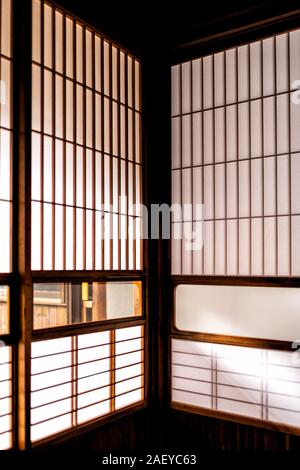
86 149
236 165
4 310
87 341
250 311
255 383
80 378
72 311
64 304
236 150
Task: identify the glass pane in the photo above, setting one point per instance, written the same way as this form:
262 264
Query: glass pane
4 310
247 311
58 304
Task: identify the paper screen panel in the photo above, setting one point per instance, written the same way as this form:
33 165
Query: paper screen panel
81 378
247 311
51 387
6 409
86 127
256 383
129 366
244 142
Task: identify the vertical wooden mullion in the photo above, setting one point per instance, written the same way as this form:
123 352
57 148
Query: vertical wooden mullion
238 162
134 218
53 136
181 171
42 138
127 158
202 166
226 166
102 158
84 120
75 380
75 145
289 156
94 156
119 158
14 304
64 144
112 370
263 159
214 164
142 242
192 162
111 160
250 163
276 158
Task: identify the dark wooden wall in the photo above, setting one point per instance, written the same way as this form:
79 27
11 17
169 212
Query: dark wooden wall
131 433
191 431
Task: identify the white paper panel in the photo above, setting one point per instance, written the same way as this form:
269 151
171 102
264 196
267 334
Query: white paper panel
255 67
256 128
222 310
207 64
257 136
282 131
91 100
268 66
197 84
244 247
237 380
220 135
186 87
83 365
231 76
243 72
256 246
176 79
294 43
128 399
219 85
282 62
6 421
186 141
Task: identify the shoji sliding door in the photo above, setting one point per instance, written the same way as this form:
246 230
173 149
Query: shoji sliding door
236 153
236 150
88 316
86 148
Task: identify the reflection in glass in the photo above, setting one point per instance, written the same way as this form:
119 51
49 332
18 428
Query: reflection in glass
4 310
58 304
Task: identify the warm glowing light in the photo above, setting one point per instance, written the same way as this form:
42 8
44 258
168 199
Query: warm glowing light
5 398
244 381
234 144
223 310
94 362
89 172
